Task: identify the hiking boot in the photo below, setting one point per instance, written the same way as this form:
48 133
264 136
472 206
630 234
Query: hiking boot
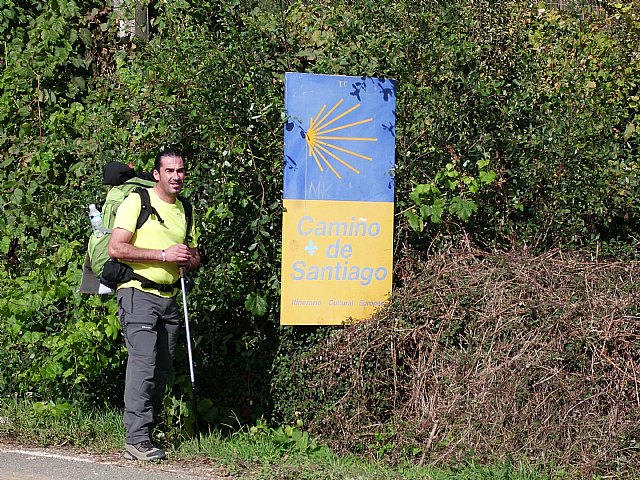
143 451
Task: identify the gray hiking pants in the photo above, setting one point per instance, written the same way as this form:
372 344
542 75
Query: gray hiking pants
150 325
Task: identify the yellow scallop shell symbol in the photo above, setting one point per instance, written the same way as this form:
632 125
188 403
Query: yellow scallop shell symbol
320 145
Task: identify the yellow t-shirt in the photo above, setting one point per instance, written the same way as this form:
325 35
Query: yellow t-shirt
154 235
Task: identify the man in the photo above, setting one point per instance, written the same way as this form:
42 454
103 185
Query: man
150 317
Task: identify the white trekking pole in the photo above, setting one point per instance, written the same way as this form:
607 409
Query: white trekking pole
189 352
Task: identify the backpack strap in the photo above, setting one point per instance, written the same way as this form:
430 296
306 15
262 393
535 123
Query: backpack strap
146 209
188 213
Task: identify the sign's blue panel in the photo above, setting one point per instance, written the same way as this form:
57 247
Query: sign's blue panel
339 138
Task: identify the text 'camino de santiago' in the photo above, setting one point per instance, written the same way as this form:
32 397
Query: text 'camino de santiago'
340 269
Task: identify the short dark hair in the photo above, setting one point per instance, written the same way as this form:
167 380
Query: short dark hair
167 152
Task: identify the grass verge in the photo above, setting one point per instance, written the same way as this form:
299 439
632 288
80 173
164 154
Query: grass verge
257 453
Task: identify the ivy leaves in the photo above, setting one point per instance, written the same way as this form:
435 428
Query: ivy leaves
452 192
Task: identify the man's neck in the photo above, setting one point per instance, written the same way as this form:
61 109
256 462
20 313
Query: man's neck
164 197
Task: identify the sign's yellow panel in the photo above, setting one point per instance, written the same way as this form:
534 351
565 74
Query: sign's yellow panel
336 260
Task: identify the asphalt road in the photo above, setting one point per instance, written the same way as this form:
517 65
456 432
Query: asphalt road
46 464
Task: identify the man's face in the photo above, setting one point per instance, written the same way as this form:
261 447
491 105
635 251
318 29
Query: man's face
170 177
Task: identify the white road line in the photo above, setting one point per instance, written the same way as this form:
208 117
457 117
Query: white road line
35 453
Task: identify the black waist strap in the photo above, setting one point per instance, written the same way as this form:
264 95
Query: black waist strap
146 283
115 272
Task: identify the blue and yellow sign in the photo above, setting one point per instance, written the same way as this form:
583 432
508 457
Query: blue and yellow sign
337 235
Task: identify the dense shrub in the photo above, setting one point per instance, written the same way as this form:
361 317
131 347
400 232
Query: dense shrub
484 356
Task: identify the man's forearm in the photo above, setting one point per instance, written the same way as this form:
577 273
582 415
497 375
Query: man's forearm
131 253
120 248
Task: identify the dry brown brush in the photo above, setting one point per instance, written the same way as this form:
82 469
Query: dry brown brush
489 356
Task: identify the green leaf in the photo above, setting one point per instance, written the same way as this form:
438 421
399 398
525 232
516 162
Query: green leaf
256 304
463 208
433 212
421 191
415 222
629 131
482 163
487 177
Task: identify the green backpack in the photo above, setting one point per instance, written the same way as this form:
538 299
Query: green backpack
98 248
123 180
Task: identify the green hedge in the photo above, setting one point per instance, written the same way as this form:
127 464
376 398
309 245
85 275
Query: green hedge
516 127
